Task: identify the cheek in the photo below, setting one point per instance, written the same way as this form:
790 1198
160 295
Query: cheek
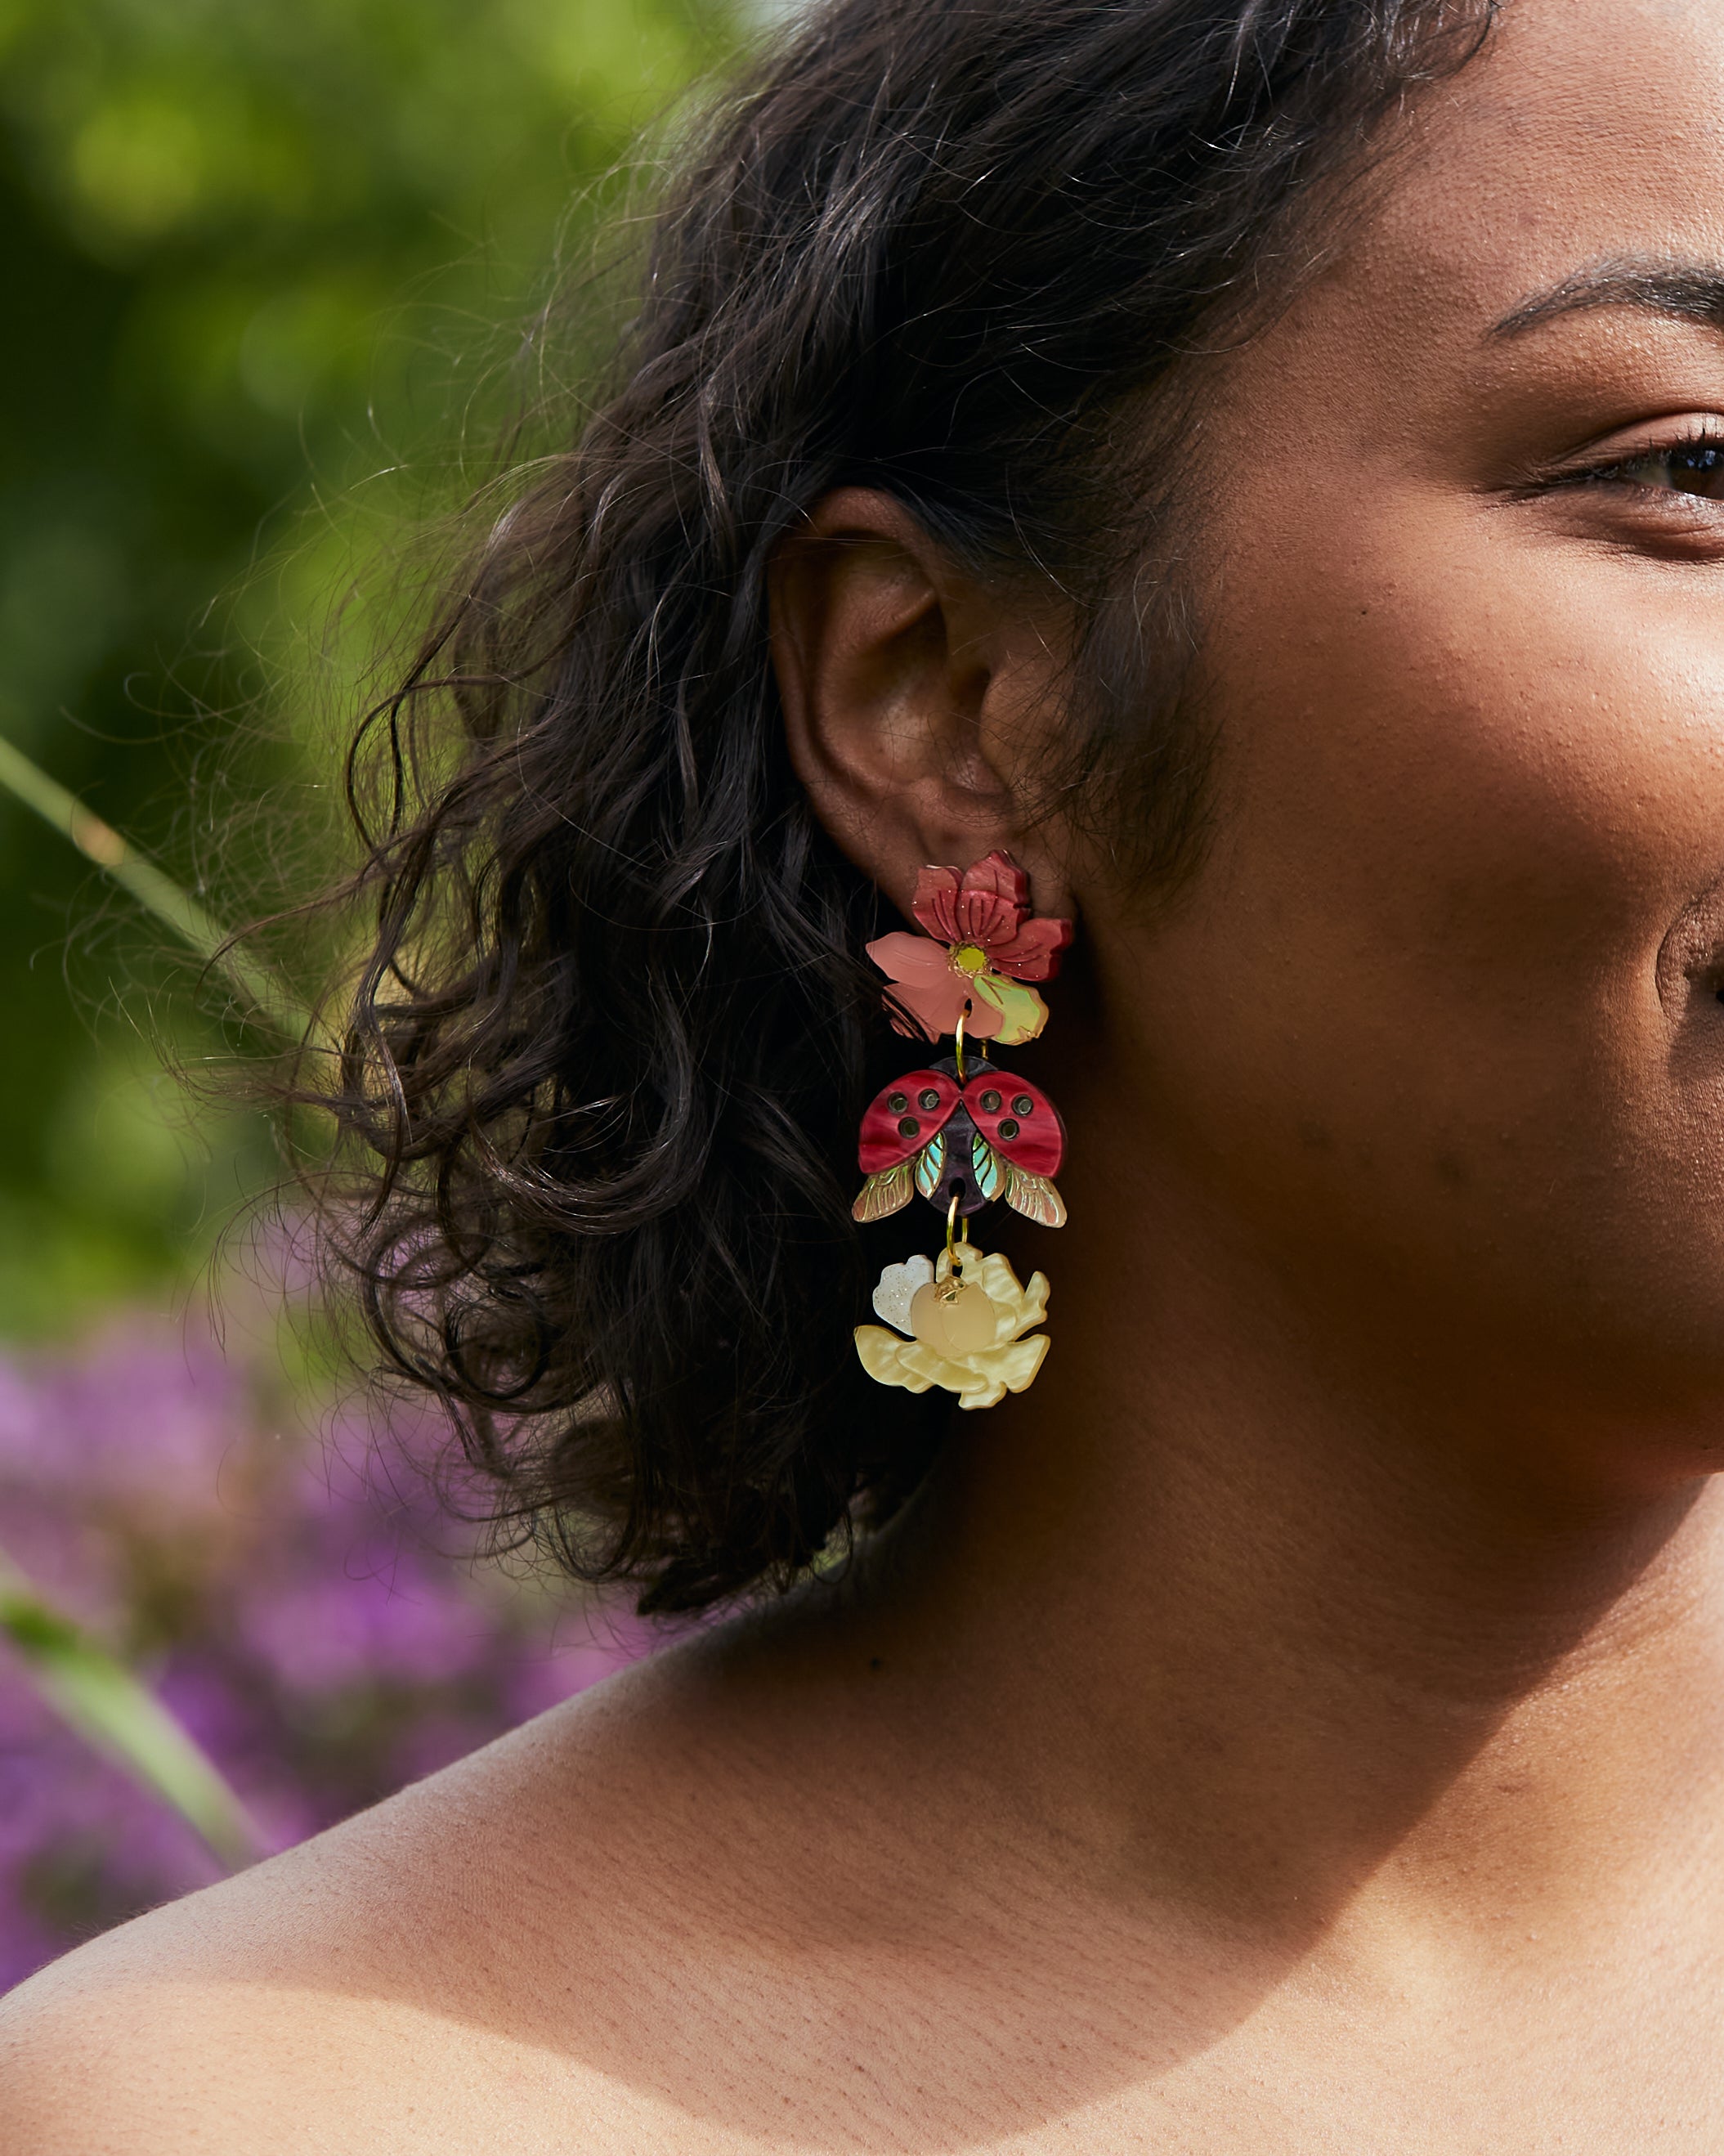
1459 744
1471 778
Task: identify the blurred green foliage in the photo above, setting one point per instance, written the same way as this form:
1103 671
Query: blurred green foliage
256 250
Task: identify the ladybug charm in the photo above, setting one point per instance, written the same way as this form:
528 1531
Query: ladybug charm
972 1139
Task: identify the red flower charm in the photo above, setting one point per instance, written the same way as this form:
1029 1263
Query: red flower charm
988 947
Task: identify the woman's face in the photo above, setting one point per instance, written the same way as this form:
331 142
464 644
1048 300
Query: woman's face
1442 1016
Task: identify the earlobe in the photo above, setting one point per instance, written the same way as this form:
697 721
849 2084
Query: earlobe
885 670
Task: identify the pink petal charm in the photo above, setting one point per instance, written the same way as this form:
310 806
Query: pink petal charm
1034 952
984 905
922 981
979 927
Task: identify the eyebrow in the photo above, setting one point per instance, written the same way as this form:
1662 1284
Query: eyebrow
1694 291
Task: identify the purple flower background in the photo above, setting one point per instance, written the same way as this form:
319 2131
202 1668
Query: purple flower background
283 1580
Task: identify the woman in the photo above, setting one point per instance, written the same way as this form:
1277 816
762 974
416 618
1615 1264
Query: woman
1258 466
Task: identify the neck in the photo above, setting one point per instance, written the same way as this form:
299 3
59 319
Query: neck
1309 1648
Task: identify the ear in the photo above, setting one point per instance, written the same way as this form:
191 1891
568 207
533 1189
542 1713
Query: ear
912 696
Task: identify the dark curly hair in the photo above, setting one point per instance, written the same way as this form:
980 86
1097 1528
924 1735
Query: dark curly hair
605 1053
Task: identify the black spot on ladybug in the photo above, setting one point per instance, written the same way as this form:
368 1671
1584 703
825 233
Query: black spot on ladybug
991 1101
908 1127
928 1097
1024 1105
897 1102
1009 1128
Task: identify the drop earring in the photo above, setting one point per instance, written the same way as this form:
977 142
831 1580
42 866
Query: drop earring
962 1133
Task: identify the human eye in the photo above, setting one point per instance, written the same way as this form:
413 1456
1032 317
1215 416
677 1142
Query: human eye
1691 466
1654 488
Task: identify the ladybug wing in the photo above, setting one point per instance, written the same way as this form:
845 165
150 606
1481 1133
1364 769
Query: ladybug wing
1034 1196
887 1191
900 1120
1017 1120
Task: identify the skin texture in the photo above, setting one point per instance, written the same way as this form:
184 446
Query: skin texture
1298 1723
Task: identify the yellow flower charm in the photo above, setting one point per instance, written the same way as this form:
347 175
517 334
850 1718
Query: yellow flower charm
965 1333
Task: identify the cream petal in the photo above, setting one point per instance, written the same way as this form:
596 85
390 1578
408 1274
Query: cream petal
997 1371
898 1284
883 1357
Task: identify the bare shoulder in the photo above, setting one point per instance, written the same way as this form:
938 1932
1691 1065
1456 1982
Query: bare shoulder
449 1970
714 1906
103 2064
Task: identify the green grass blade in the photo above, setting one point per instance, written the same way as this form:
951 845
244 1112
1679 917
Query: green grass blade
153 889
97 1696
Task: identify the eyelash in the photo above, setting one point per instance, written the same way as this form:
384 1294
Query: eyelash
1709 435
